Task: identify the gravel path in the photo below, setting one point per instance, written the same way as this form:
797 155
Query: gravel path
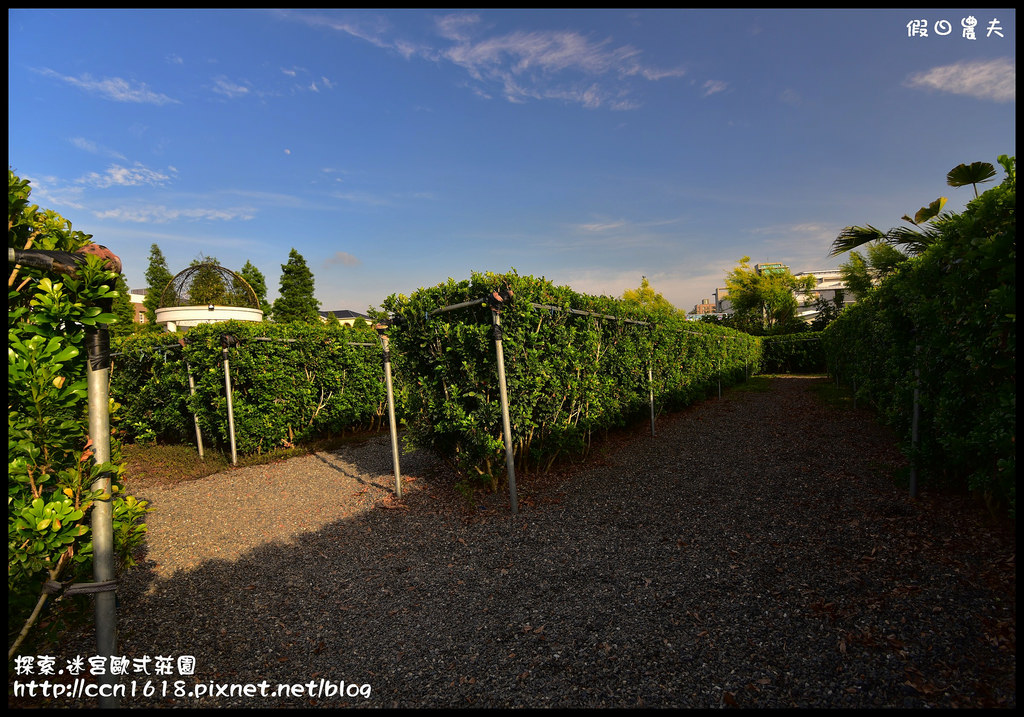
756 553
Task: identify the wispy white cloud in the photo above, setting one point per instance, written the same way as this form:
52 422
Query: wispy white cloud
313 85
119 176
790 96
87 145
547 64
519 66
677 283
112 88
343 258
994 80
160 214
602 226
51 191
373 29
362 198
614 225
223 86
712 87
803 245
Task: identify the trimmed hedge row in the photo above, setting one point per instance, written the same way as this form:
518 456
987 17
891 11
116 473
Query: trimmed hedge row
950 313
307 381
568 375
794 353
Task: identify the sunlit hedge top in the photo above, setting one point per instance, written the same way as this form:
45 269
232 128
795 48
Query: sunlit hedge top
574 363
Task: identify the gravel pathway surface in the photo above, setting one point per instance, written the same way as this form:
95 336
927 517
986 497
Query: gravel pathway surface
755 553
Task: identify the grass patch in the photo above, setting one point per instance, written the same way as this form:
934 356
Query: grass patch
834 396
150 464
754 384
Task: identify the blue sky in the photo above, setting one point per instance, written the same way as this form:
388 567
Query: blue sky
395 149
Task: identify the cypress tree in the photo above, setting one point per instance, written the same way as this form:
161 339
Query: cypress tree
296 301
207 285
254 278
123 309
157 278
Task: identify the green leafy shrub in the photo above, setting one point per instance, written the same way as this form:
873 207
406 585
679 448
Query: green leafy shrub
50 474
290 382
794 353
949 313
568 375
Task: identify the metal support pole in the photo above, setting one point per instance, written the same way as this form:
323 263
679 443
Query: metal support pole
98 347
913 425
195 416
391 415
650 384
510 463
461 305
722 351
231 410
97 340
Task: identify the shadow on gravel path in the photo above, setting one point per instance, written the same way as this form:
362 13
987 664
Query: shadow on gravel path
756 552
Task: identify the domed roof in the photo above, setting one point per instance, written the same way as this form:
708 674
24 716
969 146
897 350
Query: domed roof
206 285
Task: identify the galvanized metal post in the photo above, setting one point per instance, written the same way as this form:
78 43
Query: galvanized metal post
391 414
231 410
195 416
97 386
720 352
913 425
97 341
650 384
510 463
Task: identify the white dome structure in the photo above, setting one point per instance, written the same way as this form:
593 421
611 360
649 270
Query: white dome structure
206 294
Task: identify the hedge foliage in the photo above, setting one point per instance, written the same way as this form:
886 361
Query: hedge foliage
794 353
51 468
568 375
306 381
950 313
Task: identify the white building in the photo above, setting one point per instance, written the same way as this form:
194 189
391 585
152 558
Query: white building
829 283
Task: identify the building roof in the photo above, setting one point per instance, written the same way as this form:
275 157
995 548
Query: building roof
343 314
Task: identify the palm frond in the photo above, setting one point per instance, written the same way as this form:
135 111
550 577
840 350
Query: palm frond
912 241
853 237
924 214
974 173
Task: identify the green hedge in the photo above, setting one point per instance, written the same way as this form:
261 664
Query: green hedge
307 381
951 314
794 353
568 375
51 456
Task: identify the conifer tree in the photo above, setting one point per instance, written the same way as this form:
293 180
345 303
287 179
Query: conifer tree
207 284
157 278
296 301
123 309
254 278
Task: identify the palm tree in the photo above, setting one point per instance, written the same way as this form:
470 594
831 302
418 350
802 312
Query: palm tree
974 174
914 241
